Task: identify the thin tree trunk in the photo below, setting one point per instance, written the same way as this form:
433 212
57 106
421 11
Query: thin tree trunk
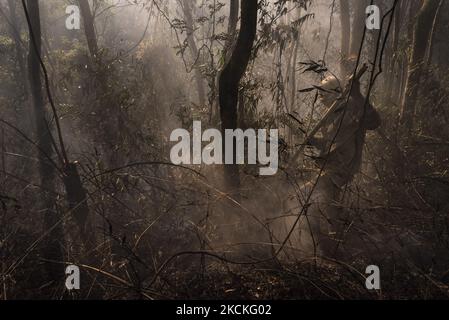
390 84
292 64
291 74
89 27
293 85
358 25
188 16
411 9
15 34
421 39
345 19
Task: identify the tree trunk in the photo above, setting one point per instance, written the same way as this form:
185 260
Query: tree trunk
52 223
75 193
77 202
392 59
421 38
358 26
232 74
292 64
89 27
293 86
188 16
345 19
15 35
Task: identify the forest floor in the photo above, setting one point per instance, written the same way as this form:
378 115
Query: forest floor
304 281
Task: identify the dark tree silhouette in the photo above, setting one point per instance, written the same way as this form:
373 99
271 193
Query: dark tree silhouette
232 74
20 55
52 221
89 27
75 193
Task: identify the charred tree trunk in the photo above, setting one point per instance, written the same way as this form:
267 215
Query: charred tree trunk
89 27
75 193
77 202
188 16
20 56
421 39
52 221
232 74
345 19
392 59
